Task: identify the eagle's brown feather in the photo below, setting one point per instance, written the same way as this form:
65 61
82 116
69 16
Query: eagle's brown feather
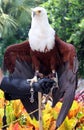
61 53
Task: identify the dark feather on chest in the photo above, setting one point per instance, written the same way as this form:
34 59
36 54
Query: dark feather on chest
45 59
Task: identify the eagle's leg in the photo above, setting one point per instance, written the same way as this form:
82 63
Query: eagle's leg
36 76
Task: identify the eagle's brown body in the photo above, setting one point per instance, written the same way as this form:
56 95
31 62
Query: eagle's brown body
42 61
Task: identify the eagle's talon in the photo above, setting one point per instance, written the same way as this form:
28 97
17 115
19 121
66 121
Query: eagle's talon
33 80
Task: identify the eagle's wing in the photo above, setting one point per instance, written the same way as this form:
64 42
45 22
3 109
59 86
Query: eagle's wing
67 78
16 51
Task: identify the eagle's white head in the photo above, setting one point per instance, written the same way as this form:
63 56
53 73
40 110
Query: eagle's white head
41 34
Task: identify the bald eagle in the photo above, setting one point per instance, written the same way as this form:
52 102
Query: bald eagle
47 54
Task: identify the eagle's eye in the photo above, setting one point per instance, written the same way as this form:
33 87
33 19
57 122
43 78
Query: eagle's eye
39 11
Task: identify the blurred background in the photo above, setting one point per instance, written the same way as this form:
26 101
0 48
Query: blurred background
65 16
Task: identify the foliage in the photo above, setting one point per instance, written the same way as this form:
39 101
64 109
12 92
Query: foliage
78 39
18 119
